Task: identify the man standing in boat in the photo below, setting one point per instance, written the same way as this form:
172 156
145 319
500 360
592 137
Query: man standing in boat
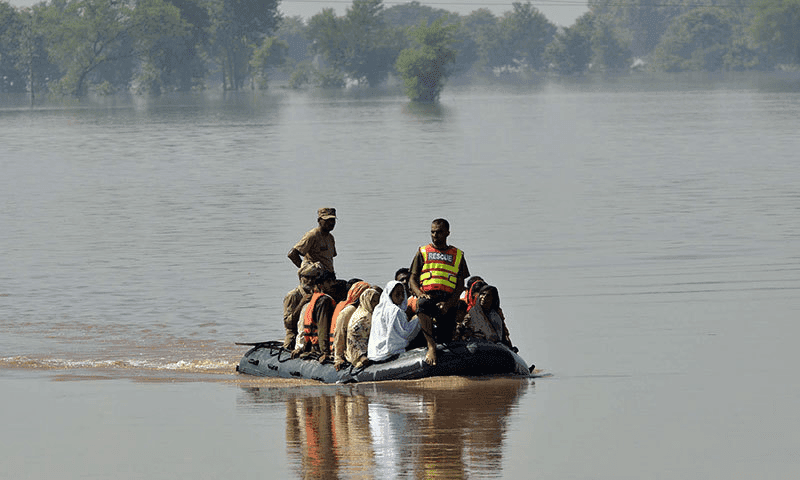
318 244
437 278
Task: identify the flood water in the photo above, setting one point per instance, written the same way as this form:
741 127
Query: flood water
643 235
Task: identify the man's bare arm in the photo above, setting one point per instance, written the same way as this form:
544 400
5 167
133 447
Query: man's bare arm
295 257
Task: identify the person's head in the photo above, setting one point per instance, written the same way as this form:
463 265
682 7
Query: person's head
440 230
488 298
325 282
473 279
475 288
339 290
403 276
369 299
308 274
326 217
355 292
398 294
394 294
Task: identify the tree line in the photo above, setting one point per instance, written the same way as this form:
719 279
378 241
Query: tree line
71 47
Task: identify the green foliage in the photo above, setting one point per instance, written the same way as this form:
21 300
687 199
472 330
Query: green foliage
477 31
149 46
238 26
412 13
176 61
590 43
329 78
609 51
424 67
301 75
702 39
571 50
518 39
292 30
777 27
642 23
271 53
13 76
84 35
360 44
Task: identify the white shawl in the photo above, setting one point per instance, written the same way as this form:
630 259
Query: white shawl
391 330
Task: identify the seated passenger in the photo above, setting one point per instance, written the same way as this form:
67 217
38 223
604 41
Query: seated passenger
392 331
470 295
341 317
468 283
307 274
485 319
403 275
315 317
339 290
358 329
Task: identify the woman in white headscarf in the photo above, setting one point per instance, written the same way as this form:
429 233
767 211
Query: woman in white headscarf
358 328
392 330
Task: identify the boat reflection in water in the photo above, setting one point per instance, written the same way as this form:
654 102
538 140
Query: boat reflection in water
448 427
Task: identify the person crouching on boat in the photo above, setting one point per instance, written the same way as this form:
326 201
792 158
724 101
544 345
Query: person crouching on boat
341 318
392 330
359 327
307 274
315 317
485 319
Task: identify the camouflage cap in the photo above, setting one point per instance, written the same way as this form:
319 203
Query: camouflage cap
312 270
326 213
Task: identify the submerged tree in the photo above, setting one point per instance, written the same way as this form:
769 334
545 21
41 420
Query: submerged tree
85 36
589 44
570 52
702 39
12 28
518 39
424 67
240 25
777 25
361 44
272 53
176 61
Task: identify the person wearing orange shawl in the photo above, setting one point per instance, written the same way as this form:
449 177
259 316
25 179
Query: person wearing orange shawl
341 317
474 285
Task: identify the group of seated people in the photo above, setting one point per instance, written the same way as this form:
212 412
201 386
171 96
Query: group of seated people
355 322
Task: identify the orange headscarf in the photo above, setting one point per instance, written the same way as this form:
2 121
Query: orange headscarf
472 293
352 296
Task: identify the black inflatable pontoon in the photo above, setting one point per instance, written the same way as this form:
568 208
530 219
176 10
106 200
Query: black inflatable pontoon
472 358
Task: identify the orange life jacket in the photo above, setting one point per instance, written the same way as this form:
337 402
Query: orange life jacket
336 311
439 268
412 303
309 322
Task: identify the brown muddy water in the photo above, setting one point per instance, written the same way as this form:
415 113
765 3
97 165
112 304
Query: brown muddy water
643 236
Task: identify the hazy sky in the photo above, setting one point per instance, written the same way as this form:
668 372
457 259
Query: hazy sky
563 12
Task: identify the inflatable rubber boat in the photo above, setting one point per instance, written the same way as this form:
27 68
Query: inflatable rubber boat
470 358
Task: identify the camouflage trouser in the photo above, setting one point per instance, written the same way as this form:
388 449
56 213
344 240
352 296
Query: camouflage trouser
289 340
291 333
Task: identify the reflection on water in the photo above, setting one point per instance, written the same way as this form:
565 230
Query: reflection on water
437 428
426 112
